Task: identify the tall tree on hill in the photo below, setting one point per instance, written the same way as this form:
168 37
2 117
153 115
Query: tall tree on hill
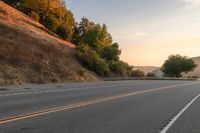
94 35
176 64
53 14
42 7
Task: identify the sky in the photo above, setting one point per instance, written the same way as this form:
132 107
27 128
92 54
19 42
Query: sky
148 31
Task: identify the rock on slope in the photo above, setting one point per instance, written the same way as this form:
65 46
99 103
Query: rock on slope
29 53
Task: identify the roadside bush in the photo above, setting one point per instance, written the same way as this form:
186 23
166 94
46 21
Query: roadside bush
137 73
120 68
151 75
91 60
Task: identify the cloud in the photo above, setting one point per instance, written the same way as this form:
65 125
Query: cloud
196 2
139 34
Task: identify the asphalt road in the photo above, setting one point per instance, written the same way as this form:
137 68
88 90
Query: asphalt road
102 107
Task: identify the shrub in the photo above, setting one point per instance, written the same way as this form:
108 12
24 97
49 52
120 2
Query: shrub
111 52
91 60
51 23
62 32
137 73
120 68
151 75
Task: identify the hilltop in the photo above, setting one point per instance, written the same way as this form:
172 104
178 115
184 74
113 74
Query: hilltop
30 53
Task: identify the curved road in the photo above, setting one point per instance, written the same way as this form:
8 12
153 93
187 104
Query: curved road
102 107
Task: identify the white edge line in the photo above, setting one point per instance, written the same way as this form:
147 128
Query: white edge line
179 114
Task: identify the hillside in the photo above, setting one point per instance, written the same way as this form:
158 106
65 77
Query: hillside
145 69
29 53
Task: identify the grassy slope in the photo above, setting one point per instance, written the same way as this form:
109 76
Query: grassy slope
29 53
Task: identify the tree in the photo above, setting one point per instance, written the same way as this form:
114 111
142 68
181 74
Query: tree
111 52
137 73
151 74
120 68
53 14
66 28
94 35
91 60
51 22
99 40
177 64
41 7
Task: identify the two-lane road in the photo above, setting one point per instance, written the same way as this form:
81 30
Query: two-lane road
103 107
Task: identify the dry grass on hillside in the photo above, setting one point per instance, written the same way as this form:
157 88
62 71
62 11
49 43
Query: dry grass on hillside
29 53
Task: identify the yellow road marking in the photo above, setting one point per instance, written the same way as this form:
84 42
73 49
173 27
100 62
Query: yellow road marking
81 104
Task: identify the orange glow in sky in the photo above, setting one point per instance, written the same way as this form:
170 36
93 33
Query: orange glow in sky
148 31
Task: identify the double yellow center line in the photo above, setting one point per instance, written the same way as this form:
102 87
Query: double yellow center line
82 104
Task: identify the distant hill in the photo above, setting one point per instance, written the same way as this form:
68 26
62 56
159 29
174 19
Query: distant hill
29 53
146 69
195 73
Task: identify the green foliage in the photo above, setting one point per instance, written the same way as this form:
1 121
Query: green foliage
62 32
41 7
51 23
52 13
97 38
120 68
111 52
66 28
95 35
151 75
80 30
176 64
91 60
137 73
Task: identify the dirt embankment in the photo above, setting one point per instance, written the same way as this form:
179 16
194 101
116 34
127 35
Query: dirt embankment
29 53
